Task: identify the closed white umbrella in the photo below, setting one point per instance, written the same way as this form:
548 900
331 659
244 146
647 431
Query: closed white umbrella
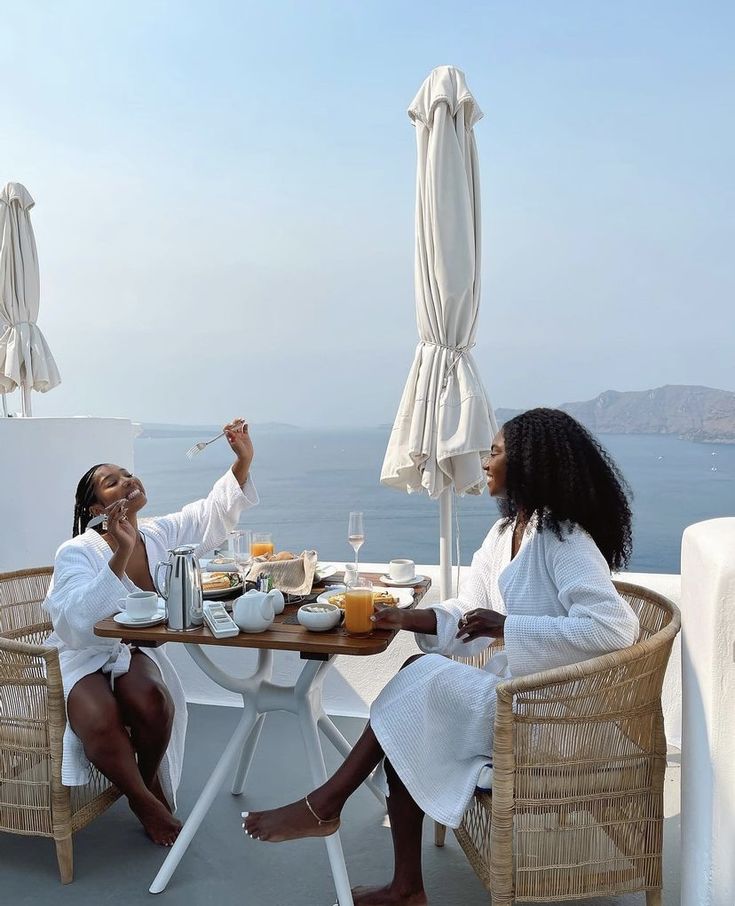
25 358
3 392
444 423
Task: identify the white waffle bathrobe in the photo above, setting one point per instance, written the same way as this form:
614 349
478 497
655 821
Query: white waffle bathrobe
434 719
84 590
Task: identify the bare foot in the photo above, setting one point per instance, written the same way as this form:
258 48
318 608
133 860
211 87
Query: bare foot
290 822
387 896
157 820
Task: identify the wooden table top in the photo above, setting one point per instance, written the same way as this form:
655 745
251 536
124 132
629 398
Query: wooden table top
281 636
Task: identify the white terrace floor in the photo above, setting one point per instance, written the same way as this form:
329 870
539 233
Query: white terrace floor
115 863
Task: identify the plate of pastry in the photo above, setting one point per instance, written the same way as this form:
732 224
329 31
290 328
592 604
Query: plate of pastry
394 597
218 585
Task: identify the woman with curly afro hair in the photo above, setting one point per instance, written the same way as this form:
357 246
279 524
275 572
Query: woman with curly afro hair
542 582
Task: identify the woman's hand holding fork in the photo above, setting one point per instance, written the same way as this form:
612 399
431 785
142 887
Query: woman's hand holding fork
238 437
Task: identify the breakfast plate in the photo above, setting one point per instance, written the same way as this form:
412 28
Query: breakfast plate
123 619
221 594
404 595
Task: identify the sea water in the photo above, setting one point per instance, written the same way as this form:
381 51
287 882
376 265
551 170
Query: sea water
308 482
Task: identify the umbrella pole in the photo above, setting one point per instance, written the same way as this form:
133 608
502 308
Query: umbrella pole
5 405
26 401
445 544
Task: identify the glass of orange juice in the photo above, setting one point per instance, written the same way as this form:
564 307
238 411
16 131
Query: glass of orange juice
261 543
359 607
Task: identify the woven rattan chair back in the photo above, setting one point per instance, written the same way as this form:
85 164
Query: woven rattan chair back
579 755
33 800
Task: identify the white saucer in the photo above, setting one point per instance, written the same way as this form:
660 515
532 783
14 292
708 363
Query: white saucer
124 620
386 580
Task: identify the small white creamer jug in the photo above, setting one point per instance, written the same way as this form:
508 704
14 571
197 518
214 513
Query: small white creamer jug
255 611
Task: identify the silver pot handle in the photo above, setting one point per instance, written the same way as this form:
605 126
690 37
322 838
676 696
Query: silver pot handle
162 590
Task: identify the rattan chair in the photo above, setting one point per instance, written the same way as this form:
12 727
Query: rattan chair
579 755
33 800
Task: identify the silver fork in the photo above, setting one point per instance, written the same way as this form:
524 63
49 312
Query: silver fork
197 448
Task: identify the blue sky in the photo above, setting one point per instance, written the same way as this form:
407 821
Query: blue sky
225 198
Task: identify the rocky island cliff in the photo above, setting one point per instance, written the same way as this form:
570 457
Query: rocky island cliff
692 413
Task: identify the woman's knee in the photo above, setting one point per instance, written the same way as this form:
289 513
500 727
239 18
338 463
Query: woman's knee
151 707
145 701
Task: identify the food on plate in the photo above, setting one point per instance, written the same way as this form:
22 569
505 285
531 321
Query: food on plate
219 581
281 555
222 564
384 598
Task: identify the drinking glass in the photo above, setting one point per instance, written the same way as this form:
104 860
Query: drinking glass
261 543
240 550
356 533
359 607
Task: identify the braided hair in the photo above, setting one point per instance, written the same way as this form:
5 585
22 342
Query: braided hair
84 499
557 471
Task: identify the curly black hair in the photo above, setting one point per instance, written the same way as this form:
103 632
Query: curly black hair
557 471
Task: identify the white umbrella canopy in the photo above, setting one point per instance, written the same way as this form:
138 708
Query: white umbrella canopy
444 423
25 358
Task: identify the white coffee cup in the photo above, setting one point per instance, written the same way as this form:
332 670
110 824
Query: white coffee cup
141 605
402 570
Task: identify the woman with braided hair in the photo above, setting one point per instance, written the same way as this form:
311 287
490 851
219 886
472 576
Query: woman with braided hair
541 580
125 706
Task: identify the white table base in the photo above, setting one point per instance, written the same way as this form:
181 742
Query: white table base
259 696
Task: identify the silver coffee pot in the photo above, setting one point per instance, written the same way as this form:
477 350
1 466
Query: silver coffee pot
182 588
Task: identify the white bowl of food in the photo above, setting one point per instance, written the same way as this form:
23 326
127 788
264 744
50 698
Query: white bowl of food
319 617
220 565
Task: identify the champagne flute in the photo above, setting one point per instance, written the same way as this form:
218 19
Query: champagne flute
356 533
240 549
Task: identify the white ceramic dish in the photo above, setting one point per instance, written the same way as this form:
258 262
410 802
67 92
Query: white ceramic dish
332 590
212 566
322 620
404 595
124 620
386 580
324 570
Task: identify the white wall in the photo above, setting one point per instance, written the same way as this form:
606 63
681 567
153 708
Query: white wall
708 753
41 462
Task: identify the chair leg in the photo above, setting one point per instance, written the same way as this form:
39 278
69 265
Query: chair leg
654 897
65 858
440 832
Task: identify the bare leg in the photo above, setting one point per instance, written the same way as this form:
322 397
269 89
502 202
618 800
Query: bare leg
148 710
406 820
95 717
296 820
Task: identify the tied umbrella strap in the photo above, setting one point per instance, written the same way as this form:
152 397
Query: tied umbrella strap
457 353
